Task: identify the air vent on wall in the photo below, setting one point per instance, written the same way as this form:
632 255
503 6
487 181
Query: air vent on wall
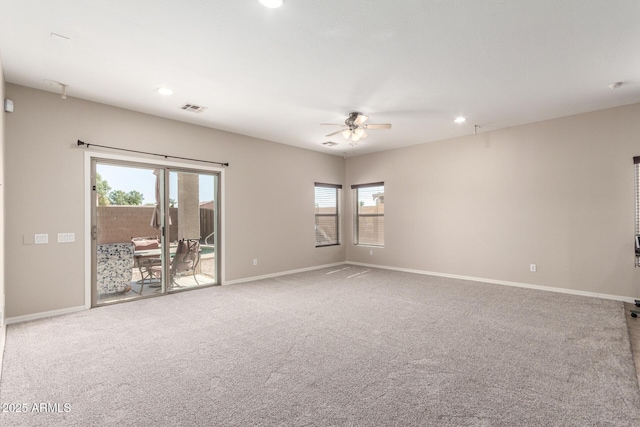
193 108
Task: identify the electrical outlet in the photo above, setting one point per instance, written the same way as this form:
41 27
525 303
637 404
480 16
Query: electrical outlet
371 252
533 268
255 261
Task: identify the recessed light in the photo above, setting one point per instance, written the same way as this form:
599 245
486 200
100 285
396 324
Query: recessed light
460 119
273 4
165 91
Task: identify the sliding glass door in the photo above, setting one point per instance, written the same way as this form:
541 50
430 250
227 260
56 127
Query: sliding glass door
154 230
128 219
193 210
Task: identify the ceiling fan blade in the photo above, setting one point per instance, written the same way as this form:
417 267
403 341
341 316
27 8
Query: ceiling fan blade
331 124
377 126
360 119
335 133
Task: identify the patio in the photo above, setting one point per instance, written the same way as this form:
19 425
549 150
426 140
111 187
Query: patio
205 275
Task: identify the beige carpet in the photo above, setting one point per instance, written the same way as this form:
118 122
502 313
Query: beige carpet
329 347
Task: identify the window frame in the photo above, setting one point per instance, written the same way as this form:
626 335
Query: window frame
636 170
338 191
357 215
636 174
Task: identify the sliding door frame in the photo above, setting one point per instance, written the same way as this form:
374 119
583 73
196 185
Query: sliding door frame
90 155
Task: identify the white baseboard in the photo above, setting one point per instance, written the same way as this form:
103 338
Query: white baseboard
501 282
282 273
42 315
36 316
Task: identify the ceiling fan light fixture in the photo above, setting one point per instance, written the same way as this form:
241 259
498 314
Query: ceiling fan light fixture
271 4
354 128
360 118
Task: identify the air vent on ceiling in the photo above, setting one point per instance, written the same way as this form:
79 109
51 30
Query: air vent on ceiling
193 108
330 143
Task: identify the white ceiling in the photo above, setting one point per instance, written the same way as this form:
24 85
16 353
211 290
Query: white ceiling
277 74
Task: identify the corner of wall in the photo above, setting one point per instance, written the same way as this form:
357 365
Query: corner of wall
2 297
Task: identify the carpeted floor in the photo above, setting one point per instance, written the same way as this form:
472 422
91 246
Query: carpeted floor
328 347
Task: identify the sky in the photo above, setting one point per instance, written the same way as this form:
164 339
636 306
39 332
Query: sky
144 181
365 195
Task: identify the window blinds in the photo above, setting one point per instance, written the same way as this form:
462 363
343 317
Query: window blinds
327 206
368 219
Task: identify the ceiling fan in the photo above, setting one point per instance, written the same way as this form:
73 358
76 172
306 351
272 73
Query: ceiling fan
354 127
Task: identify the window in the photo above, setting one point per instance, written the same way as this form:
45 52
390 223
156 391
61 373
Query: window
327 214
368 218
636 164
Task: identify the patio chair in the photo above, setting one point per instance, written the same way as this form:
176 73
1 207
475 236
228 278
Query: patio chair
184 262
145 260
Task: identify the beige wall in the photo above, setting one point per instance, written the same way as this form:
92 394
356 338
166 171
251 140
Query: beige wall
559 194
45 193
2 225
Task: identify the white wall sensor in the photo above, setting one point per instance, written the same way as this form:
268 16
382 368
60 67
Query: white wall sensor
8 105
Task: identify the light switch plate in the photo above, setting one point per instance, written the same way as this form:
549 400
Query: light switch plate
41 239
66 237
